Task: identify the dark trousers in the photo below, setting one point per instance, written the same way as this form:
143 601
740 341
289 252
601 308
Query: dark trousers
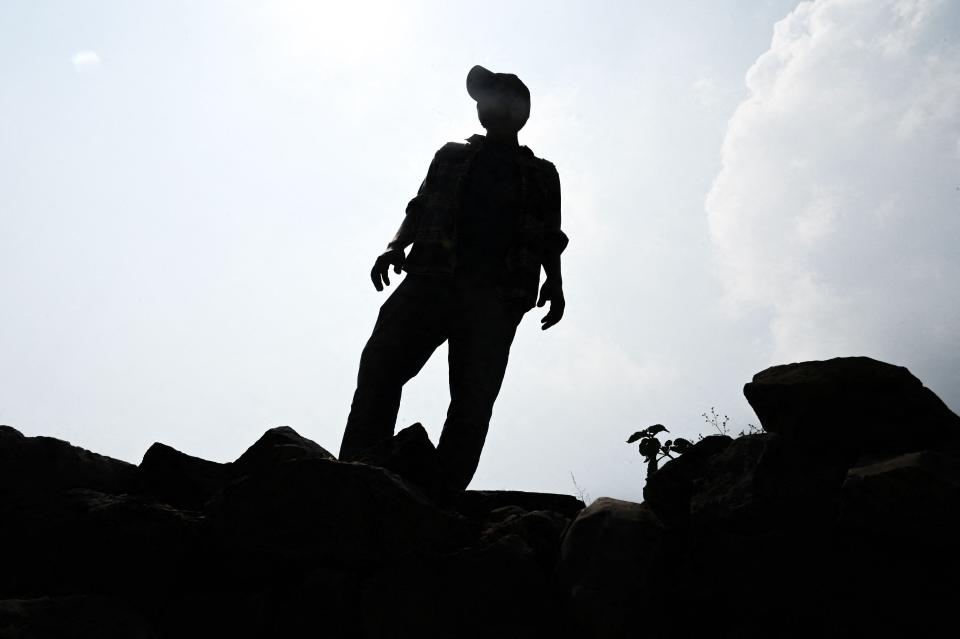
422 313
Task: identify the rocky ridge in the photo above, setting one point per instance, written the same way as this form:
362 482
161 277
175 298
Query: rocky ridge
840 519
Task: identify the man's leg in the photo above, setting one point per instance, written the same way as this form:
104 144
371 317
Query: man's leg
411 325
480 337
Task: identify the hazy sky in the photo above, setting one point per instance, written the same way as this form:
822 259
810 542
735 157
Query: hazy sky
193 194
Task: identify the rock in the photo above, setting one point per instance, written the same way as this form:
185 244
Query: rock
74 616
753 481
762 515
41 464
306 513
911 498
752 583
854 404
498 590
541 530
797 487
412 455
202 614
180 479
478 503
724 495
277 445
9 433
669 490
85 541
898 527
611 559
329 602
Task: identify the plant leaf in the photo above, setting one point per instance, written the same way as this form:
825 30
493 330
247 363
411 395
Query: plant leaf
649 446
656 428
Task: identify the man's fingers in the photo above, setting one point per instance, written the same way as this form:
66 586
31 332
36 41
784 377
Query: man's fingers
397 267
554 315
548 322
385 274
376 273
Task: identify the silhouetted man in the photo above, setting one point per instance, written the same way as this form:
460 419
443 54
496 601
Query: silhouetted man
484 221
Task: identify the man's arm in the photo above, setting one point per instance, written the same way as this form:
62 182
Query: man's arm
394 255
555 241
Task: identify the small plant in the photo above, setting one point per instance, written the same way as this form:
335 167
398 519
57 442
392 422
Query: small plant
581 493
750 430
652 450
716 422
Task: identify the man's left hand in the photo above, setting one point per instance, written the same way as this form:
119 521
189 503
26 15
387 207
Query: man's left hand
552 292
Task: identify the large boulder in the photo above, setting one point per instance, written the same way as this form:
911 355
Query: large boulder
306 513
277 445
611 559
180 479
41 464
854 404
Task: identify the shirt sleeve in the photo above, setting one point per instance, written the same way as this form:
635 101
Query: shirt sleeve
414 212
555 240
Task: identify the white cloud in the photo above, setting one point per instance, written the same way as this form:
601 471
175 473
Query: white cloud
836 207
85 60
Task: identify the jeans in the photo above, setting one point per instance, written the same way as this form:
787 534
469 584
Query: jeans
422 313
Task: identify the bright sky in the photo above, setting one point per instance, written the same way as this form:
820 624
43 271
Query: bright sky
193 194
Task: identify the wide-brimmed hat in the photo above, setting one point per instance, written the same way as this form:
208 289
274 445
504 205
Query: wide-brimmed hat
482 83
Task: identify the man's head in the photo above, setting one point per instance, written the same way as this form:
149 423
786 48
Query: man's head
503 101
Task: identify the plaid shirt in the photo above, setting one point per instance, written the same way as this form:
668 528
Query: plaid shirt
431 222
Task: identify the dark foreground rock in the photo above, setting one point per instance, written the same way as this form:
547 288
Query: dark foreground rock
45 464
180 479
73 617
840 520
611 560
283 542
277 445
307 513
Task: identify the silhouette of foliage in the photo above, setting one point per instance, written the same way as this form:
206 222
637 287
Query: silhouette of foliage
652 450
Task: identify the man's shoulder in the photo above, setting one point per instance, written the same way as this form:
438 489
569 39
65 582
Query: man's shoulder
454 151
541 164
461 151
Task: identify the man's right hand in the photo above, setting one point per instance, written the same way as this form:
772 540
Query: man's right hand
380 273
